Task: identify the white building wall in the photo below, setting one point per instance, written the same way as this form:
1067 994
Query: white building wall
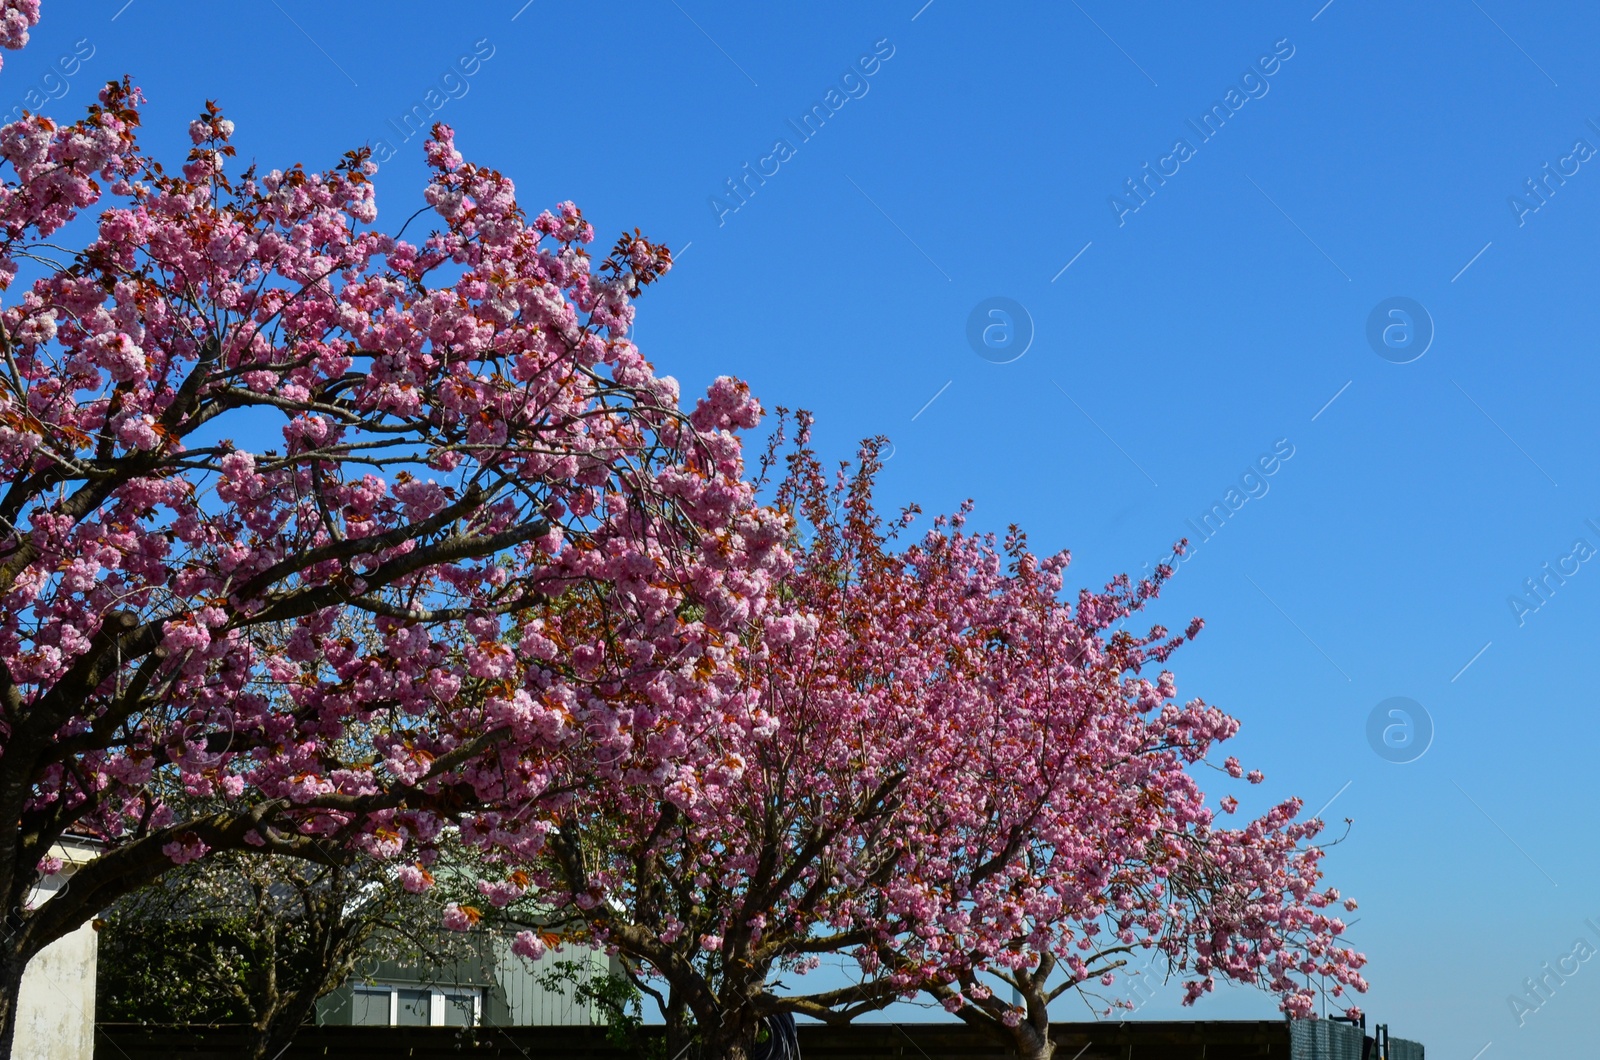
55 1010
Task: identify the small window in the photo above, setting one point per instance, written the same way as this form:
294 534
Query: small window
370 1006
414 1006
461 1008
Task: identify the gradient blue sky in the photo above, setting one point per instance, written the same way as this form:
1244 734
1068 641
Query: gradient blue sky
1179 346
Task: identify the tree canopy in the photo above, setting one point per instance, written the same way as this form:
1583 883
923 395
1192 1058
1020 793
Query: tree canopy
363 541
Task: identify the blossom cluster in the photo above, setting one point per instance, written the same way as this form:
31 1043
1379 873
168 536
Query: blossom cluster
17 17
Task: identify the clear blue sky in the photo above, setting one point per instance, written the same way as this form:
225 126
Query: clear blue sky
1181 345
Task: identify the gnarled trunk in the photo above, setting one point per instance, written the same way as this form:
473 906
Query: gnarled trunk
1031 1043
12 965
680 1029
733 1039
727 1027
1031 1035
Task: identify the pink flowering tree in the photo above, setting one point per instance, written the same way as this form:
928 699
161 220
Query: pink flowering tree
1237 904
1080 838
949 778
1123 862
278 489
713 855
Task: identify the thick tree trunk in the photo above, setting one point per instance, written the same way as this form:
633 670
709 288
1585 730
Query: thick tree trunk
731 1037
729 1043
11 968
1031 1045
679 1027
1031 1035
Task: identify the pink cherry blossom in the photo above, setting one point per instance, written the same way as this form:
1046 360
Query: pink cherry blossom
17 17
933 763
284 492
528 944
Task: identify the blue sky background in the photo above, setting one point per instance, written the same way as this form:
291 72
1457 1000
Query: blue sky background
1221 317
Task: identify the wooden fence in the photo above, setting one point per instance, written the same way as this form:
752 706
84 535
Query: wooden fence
1222 1040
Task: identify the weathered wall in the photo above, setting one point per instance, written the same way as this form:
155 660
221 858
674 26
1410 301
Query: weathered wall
55 1012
